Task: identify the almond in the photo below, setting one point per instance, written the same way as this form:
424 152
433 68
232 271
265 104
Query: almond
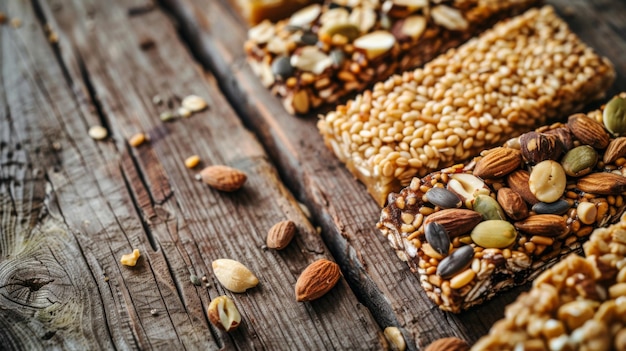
512 203
499 162
280 235
549 225
588 130
316 280
615 150
602 184
448 344
456 221
223 178
518 182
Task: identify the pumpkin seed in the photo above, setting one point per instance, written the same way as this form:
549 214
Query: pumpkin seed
558 207
614 116
488 207
579 161
443 198
458 260
494 234
282 68
438 238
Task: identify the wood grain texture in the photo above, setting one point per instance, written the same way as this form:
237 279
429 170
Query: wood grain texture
341 205
71 206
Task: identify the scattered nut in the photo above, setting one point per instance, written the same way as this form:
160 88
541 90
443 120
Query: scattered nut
130 259
194 103
394 336
316 280
98 133
137 139
192 161
233 275
224 314
280 235
166 116
223 178
448 344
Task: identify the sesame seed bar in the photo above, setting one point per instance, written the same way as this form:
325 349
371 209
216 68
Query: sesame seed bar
579 304
512 78
255 11
472 230
325 52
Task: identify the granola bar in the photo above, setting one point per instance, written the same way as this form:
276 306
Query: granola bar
579 304
509 80
475 229
255 11
324 52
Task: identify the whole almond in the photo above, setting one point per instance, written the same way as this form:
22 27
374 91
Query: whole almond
518 182
499 162
615 150
317 279
448 344
588 130
280 235
512 203
549 225
456 221
223 178
602 184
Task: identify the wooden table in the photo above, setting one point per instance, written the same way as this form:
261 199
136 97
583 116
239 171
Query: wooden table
70 206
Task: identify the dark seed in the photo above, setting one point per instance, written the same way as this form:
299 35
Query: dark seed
308 38
443 198
558 207
437 236
456 262
282 68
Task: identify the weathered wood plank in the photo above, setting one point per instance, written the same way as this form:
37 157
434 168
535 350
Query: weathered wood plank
72 206
341 205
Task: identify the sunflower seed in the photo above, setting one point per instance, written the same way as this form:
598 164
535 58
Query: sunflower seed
458 260
437 236
443 198
558 207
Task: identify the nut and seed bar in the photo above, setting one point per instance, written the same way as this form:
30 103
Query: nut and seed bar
512 78
324 52
579 304
255 11
472 230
